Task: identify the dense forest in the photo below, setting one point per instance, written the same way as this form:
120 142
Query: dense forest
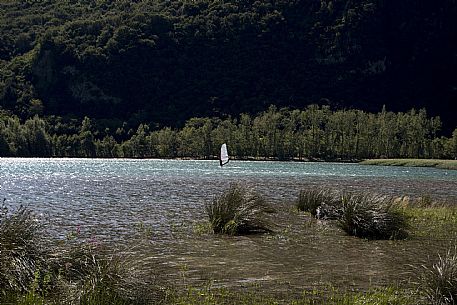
123 63
279 134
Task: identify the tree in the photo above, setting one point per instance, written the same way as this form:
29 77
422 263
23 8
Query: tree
86 139
38 140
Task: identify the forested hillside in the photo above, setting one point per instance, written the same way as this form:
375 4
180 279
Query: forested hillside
161 62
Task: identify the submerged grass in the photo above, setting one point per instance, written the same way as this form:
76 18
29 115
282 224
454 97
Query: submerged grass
239 210
444 164
372 216
319 203
363 215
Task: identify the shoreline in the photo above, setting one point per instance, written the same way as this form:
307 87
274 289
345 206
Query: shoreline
436 163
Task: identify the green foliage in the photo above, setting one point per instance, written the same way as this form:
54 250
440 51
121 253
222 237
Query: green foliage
372 216
237 211
167 61
284 134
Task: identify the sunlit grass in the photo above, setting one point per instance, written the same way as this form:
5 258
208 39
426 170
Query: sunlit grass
429 218
444 164
331 296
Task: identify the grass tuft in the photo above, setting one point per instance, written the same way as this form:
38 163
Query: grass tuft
238 211
372 216
21 250
316 202
92 274
439 282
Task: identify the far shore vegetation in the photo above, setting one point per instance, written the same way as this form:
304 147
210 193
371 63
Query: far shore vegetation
35 268
313 133
444 164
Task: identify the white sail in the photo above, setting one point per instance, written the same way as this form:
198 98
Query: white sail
224 155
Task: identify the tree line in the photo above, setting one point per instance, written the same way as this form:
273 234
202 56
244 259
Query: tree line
316 132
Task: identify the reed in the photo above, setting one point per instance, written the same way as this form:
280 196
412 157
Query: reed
237 211
372 216
439 282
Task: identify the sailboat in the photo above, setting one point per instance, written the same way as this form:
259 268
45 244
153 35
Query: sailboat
224 157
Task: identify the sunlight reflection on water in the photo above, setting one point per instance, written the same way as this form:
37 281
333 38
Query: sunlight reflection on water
108 198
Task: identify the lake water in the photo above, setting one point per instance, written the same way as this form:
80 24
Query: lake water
107 199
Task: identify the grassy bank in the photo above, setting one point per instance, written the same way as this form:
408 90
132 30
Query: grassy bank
328 296
444 164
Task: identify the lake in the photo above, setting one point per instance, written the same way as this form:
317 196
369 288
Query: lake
110 199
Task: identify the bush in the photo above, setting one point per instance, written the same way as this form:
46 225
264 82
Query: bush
439 282
238 211
372 216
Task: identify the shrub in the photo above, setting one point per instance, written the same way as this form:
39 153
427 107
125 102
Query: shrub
238 211
22 252
439 282
372 216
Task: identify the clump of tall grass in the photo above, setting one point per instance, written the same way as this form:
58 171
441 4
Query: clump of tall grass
33 270
310 200
22 251
372 216
439 282
321 204
92 274
239 210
